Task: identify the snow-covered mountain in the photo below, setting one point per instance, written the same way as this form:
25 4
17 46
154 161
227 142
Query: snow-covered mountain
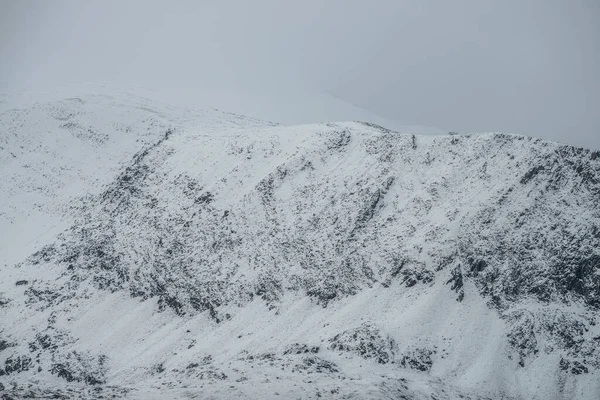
155 252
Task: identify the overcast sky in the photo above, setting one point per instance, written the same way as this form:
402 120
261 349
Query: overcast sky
523 66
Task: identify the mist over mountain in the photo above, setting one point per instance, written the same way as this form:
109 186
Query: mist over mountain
468 66
151 250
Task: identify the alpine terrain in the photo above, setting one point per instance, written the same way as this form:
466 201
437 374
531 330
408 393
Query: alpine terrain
154 252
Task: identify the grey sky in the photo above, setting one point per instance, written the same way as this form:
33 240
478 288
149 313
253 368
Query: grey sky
524 66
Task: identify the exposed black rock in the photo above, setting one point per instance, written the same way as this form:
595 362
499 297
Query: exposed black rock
16 364
574 367
456 280
418 358
366 341
531 174
316 364
5 344
78 367
298 348
158 368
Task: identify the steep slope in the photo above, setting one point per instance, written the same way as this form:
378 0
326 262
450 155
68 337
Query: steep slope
53 152
335 260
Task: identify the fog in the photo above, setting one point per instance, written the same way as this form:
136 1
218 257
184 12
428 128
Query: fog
527 66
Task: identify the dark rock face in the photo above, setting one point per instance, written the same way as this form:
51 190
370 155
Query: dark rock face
4 300
50 340
573 367
416 274
456 281
5 344
366 341
418 359
298 348
317 365
560 330
77 367
16 364
531 174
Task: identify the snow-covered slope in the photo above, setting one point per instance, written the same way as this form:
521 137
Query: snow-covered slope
228 258
54 152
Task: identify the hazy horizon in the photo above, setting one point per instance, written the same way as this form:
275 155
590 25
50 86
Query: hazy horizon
469 66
